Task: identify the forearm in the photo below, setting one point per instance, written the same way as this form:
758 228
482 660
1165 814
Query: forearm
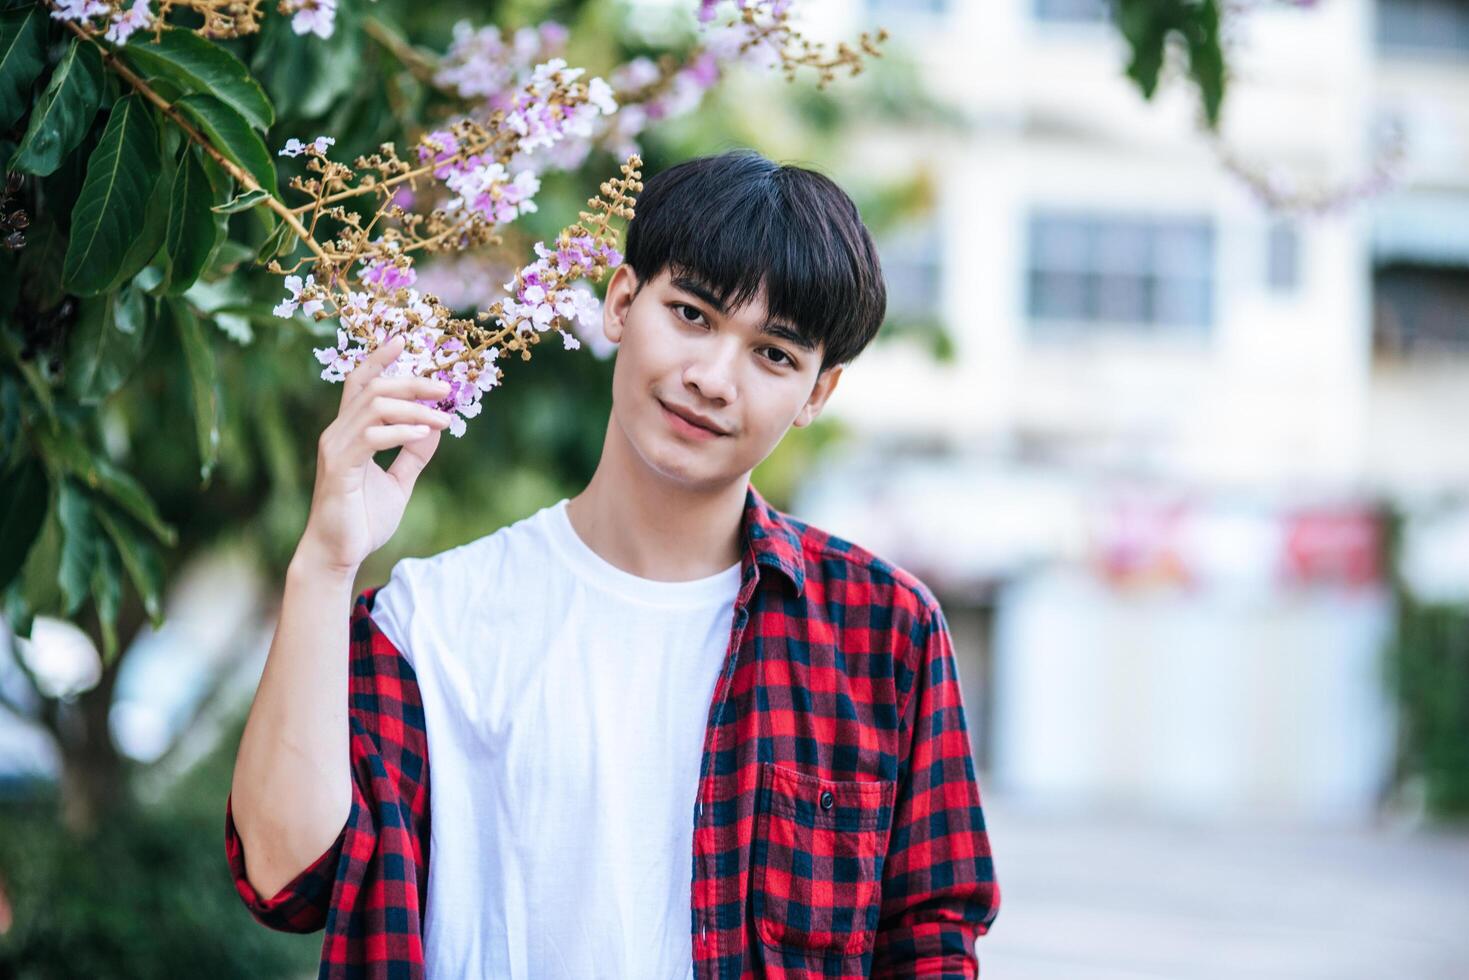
292 787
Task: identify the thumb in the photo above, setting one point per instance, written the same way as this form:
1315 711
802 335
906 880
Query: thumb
411 460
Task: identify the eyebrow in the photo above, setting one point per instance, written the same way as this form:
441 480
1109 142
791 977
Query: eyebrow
771 328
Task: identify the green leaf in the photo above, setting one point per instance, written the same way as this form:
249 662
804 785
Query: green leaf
199 65
107 592
35 588
106 345
1147 24
228 257
11 446
279 242
243 202
203 383
68 451
121 174
64 111
23 498
233 137
40 264
140 559
78 545
22 56
1206 58
148 237
227 303
192 233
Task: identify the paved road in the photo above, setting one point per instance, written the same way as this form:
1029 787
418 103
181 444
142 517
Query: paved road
1118 898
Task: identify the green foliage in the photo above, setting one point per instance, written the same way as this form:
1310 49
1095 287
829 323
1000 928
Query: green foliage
148 898
192 232
1427 670
1429 674
22 508
63 113
22 56
1148 27
199 66
121 175
203 383
231 134
111 335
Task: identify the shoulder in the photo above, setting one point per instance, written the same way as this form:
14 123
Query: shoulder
450 575
426 597
845 572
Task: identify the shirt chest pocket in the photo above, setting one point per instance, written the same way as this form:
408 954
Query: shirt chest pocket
817 860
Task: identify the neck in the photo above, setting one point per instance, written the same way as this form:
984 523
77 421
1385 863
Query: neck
639 521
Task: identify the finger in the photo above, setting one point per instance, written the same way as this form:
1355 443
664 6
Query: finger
371 366
380 437
412 387
412 458
383 409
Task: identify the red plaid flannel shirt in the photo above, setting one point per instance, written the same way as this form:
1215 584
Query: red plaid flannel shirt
838 829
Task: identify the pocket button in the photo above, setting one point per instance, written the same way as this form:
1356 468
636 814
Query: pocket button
826 800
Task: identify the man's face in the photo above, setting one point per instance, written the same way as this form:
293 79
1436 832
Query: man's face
679 354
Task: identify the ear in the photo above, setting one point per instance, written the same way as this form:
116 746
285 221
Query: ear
826 383
620 290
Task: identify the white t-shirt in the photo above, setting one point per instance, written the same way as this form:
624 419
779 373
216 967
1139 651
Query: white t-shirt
565 702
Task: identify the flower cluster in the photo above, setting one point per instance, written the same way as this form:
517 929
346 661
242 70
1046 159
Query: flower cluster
118 20
482 64
390 306
121 19
541 119
317 17
295 147
487 188
542 294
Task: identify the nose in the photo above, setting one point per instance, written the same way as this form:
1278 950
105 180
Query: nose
711 372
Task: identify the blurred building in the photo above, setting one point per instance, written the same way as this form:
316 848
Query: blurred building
1146 483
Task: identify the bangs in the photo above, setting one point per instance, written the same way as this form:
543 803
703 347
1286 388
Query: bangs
738 221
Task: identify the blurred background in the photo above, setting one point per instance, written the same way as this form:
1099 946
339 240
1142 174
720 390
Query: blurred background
1168 415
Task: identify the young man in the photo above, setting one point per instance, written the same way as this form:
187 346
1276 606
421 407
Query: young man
673 732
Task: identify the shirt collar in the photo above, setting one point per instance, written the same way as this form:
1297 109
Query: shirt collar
772 540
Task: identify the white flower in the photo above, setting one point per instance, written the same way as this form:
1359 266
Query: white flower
286 307
293 148
313 17
124 24
599 94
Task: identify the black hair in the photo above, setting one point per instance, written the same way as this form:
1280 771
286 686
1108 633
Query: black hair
737 220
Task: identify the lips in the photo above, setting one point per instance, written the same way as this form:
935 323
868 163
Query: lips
691 418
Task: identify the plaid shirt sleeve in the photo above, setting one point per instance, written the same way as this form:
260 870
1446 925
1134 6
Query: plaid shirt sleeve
377 868
939 892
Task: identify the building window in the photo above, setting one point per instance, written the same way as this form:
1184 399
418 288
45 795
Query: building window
1423 25
913 270
880 9
1073 11
1124 270
1283 257
1419 310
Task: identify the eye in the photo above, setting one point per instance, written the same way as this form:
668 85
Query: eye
783 354
694 310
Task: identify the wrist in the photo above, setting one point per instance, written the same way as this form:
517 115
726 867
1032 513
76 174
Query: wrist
310 563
